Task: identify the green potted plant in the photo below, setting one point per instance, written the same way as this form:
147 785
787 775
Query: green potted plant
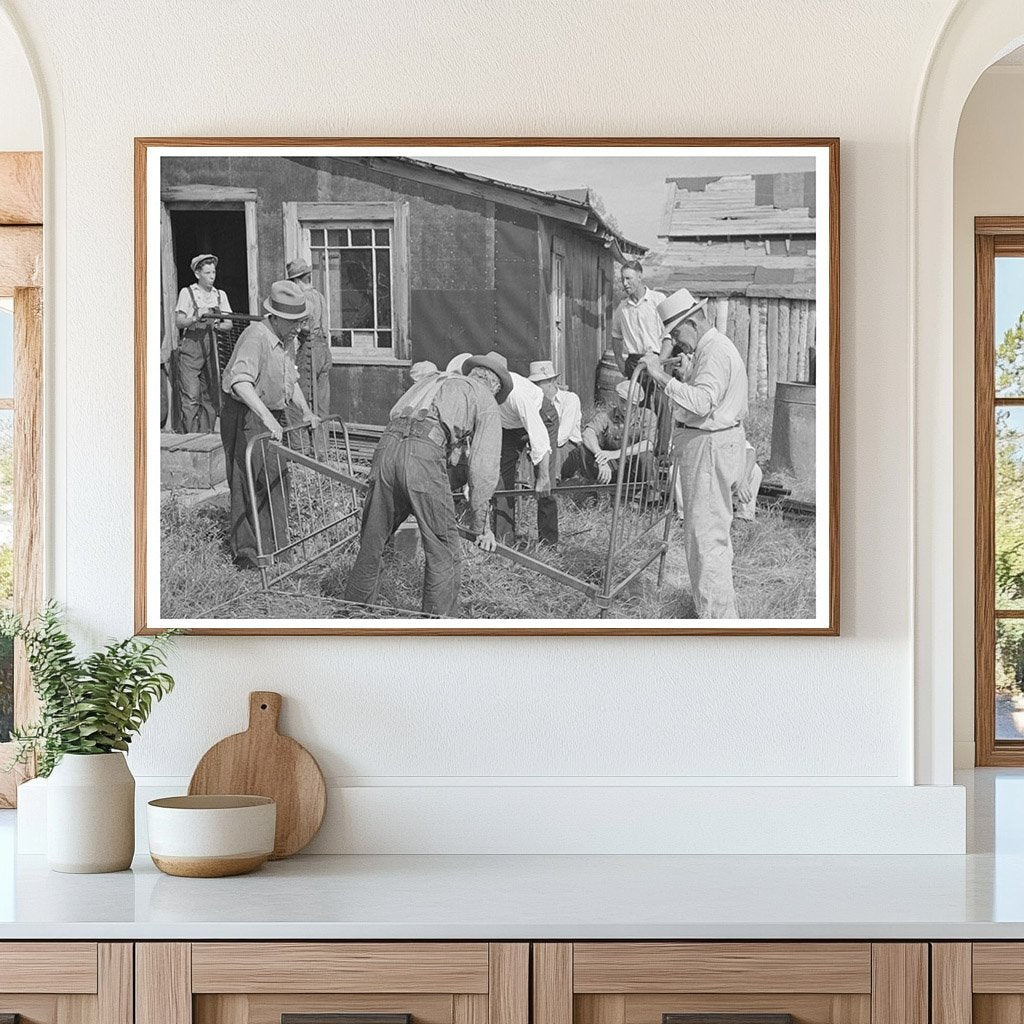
89 710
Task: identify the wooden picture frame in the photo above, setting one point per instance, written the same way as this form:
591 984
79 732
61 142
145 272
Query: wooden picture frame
193 172
993 237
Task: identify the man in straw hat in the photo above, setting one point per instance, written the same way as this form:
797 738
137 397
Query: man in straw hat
258 383
195 354
313 345
567 406
709 444
528 422
429 428
605 439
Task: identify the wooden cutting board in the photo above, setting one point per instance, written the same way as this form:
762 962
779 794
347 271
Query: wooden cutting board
262 762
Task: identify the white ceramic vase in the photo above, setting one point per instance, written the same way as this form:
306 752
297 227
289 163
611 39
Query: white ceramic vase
90 814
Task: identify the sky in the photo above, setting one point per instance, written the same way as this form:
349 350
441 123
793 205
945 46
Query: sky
6 353
1009 293
633 188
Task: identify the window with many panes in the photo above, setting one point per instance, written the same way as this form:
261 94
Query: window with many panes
352 269
999 491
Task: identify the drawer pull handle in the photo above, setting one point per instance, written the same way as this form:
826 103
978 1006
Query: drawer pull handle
341 1018
727 1018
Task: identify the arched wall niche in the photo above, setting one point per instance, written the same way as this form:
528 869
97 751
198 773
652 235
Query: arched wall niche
975 35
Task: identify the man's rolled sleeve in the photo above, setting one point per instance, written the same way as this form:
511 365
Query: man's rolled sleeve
245 364
703 394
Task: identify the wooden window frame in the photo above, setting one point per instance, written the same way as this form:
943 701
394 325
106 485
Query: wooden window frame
298 217
21 278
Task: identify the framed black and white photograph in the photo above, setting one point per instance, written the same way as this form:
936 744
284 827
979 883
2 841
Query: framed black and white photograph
541 386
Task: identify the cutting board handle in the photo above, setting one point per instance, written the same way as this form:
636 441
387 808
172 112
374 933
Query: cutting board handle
264 710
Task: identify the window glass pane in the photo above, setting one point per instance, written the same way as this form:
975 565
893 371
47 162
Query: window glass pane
337 236
1009 679
1009 323
6 354
341 339
356 276
382 236
333 292
316 236
384 339
383 288
6 567
362 236
1009 524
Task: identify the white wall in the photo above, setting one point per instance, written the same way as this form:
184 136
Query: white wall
987 182
21 127
429 717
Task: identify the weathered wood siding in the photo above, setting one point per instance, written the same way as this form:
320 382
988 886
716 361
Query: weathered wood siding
478 279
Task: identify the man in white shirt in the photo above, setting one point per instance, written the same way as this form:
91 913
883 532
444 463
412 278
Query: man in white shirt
200 403
636 327
528 422
709 446
567 405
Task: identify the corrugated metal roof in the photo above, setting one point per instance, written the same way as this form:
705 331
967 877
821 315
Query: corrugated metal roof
578 199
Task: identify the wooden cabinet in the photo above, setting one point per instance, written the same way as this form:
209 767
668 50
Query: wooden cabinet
758 982
66 982
978 983
264 982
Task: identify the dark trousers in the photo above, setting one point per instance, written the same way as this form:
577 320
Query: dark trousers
196 384
238 425
513 444
409 477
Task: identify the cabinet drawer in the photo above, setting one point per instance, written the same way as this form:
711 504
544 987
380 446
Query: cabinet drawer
730 983
332 983
66 982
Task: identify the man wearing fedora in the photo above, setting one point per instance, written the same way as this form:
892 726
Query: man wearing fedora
528 422
313 345
567 406
441 417
709 445
258 383
196 375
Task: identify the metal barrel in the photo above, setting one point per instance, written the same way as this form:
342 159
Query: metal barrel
793 430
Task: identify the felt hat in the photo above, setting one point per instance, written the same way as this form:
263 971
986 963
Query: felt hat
286 300
678 306
622 390
542 370
496 363
455 363
297 268
424 368
203 257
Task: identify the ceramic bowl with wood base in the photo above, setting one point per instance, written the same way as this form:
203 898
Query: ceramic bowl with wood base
211 836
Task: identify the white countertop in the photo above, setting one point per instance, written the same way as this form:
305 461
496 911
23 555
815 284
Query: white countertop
516 897
977 896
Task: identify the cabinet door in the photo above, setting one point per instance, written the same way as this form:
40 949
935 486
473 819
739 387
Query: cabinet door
730 983
332 983
981 982
66 982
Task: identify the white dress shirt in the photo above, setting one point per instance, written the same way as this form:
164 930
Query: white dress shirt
570 417
714 394
638 324
521 411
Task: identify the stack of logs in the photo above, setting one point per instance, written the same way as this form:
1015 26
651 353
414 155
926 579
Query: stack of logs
774 337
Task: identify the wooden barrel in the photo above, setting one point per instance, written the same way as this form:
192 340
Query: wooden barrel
608 377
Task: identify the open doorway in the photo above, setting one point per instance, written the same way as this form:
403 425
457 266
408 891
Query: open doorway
218 231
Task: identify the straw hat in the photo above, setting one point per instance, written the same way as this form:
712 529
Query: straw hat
622 390
496 363
455 364
542 370
286 300
678 306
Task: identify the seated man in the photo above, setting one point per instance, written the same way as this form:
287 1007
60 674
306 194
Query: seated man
605 440
567 405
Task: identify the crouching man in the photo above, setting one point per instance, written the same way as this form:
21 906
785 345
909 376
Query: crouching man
431 424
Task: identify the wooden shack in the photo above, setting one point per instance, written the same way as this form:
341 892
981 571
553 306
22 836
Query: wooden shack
417 261
748 242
